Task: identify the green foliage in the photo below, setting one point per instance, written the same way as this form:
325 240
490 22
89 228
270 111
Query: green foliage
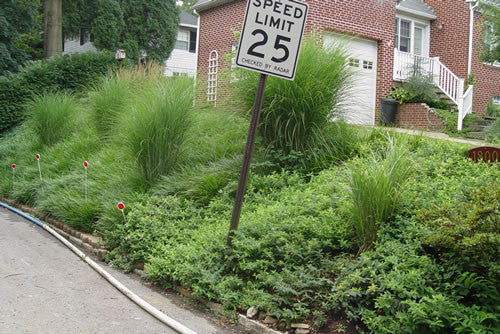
493 131
491 26
157 129
52 116
451 122
296 113
72 72
466 233
133 25
376 184
17 19
108 100
401 94
421 87
493 109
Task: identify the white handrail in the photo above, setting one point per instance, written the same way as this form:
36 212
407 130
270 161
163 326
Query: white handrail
465 106
407 65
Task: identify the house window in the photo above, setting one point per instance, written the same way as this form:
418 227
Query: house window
412 36
403 35
186 40
367 64
353 62
496 100
490 43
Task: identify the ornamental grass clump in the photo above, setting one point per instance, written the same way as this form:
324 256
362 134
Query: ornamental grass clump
52 116
376 184
296 113
108 99
156 129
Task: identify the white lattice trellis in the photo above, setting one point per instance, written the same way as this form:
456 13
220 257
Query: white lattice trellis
213 67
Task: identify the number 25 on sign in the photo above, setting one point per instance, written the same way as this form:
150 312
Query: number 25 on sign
271 36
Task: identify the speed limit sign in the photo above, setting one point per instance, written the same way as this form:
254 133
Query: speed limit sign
271 37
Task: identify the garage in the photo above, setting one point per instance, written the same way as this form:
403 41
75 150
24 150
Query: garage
359 104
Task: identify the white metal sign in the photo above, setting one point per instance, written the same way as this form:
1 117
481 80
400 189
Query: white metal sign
271 36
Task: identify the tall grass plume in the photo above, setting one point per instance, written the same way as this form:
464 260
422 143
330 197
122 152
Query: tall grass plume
376 184
157 129
52 116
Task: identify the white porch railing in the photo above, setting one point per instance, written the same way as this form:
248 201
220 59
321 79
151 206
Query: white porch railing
407 65
465 106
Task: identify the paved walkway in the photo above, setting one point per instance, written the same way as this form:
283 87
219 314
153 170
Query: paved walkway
440 135
45 288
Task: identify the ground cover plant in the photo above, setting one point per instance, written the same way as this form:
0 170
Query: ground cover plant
428 261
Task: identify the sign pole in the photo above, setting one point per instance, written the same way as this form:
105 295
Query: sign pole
242 183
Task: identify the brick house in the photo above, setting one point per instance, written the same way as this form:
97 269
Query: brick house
385 39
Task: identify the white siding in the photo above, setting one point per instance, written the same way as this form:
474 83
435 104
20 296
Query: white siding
73 46
181 61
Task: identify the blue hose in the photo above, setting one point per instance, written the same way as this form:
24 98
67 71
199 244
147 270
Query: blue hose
33 220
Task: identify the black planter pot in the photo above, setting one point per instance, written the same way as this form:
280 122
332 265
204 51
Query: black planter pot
388 110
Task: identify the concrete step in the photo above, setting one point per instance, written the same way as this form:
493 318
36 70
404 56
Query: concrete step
478 127
484 122
478 134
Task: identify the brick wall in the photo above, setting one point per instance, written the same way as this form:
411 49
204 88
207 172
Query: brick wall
217 26
451 44
370 19
418 116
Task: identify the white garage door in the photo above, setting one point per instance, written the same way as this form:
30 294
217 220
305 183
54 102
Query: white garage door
359 105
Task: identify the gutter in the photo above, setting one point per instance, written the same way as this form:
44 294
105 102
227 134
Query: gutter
472 5
207 4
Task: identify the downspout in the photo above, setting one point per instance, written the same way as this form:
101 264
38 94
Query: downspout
197 45
472 5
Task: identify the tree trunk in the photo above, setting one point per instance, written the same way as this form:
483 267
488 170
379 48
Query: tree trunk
53 28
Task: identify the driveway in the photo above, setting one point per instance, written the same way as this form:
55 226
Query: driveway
45 288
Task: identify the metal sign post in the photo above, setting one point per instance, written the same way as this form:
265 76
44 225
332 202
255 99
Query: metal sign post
242 183
269 44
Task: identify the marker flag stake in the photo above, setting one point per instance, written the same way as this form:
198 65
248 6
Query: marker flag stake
13 173
85 164
38 162
121 207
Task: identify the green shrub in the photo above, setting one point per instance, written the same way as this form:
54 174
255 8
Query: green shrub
466 233
157 128
493 131
376 184
70 72
421 87
401 94
493 109
52 116
296 113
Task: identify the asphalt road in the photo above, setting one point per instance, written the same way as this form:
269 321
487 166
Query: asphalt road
45 288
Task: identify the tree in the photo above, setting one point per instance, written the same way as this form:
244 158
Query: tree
187 4
134 25
491 44
17 18
150 25
52 13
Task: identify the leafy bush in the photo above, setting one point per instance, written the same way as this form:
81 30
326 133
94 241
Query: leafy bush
52 116
493 131
493 109
466 233
401 94
376 184
296 113
421 87
70 72
157 129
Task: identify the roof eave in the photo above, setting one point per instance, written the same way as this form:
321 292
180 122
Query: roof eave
210 4
416 13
